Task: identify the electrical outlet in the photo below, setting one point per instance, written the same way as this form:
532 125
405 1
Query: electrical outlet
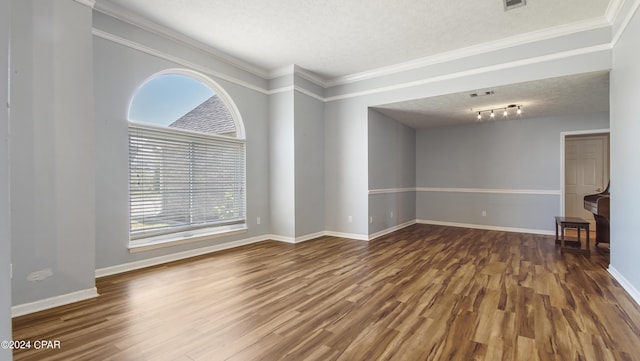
484 213
371 220
350 219
258 220
391 215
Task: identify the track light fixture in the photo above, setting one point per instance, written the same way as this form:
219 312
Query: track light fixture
505 111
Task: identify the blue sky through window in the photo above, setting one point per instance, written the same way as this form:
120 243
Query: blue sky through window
166 98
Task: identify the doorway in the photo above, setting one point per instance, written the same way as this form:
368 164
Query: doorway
585 170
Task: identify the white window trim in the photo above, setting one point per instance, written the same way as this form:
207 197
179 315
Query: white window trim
190 236
195 235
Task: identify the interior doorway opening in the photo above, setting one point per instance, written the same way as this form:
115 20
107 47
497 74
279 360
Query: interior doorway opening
584 169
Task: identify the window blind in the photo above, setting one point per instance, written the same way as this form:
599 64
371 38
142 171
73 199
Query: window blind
180 180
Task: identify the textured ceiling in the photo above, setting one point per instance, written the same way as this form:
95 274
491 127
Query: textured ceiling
575 94
334 38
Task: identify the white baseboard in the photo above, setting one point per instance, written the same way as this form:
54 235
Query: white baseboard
61 300
358 237
108 271
632 291
47 303
275 237
488 227
309 237
384 232
299 239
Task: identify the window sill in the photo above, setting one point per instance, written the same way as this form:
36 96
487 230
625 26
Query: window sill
174 239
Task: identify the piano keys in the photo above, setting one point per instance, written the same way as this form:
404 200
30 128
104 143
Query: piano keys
598 204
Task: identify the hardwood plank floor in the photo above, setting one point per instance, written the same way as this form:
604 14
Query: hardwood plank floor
422 293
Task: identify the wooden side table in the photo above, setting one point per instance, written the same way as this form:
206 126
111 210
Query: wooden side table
577 224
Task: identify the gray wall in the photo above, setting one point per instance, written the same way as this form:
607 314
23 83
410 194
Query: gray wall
52 147
346 174
309 165
625 155
512 155
335 156
392 166
282 159
296 146
346 116
5 232
119 71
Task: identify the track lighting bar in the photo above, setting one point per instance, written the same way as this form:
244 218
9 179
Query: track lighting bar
505 111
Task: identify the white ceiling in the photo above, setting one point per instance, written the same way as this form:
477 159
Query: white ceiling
337 38
575 94
334 38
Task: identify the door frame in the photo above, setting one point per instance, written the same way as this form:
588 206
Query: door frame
563 138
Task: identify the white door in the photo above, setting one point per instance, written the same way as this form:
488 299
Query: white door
586 172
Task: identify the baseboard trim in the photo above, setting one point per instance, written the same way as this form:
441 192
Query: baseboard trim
299 239
51 302
132 266
626 285
275 237
62 300
487 227
398 227
358 237
308 237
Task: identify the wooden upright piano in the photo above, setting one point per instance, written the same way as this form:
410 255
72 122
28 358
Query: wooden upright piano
598 204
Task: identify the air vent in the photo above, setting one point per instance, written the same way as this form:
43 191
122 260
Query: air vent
511 4
482 94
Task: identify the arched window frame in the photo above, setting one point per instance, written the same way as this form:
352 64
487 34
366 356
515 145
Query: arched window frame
195 233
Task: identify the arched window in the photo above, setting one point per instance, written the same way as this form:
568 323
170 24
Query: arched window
186 160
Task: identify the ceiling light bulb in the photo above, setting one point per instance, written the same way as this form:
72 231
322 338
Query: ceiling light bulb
479 116
519 110
492 115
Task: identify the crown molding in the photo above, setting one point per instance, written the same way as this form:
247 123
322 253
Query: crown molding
118 12
613 9
310 76
301 72
145 49
476 71
478 49
625 22
284 71
122 14
89 3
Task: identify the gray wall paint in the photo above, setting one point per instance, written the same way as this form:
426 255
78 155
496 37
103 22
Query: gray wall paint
119 71
522 211
346 174
522 52
391 209
309 165
625 154
392 164
5 232
514 154
346 122
174 49
392 153
52 147
282 160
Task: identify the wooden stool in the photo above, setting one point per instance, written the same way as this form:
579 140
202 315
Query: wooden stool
578 224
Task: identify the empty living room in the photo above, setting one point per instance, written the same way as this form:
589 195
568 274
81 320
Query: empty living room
319 180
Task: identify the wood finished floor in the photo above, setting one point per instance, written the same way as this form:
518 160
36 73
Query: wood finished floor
422 293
